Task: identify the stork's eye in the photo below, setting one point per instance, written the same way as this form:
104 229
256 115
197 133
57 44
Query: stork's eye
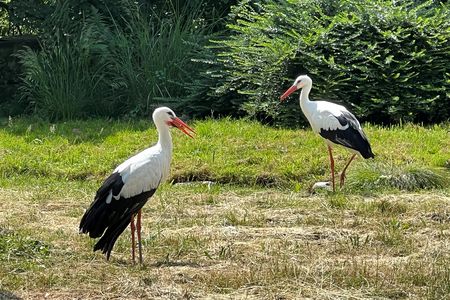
170 114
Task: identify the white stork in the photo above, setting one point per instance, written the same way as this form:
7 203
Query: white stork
127 189
333 122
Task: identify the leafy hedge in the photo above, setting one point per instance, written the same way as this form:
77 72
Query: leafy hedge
120 60
387 61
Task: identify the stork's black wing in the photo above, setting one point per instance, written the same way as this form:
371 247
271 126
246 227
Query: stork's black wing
352 137
109 219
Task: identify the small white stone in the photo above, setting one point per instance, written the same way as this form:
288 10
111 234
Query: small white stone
322 185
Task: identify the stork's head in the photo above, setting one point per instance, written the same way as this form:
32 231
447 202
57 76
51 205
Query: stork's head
164 116
300 82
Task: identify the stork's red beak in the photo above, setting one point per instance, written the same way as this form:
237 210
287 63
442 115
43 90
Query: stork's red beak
288 92
182 126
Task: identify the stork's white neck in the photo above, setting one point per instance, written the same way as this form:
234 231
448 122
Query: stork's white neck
164 137
305 103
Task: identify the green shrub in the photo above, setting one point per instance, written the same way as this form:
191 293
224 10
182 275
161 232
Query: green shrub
65 79
118 67
385 60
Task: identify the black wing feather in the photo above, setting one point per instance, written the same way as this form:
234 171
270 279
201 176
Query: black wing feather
121 219
352 137
109 220
95 219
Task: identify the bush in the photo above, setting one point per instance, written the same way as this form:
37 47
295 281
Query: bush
385 60
66 78
118 66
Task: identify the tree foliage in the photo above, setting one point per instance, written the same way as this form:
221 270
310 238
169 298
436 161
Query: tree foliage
385 60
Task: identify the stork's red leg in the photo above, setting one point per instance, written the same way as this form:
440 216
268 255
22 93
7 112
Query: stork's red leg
342 177
138 225
332 166
133 241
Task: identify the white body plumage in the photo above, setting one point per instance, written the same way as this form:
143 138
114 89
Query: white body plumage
323 115
144 171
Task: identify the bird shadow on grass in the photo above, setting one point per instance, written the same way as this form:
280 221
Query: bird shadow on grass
171 263
5 295
158 264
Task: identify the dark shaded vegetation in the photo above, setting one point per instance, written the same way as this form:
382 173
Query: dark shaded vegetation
386 61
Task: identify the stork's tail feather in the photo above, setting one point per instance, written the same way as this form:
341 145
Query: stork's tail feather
106 243
370 155
98 216
109 220
94 220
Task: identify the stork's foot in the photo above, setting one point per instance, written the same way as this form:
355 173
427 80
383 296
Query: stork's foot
332 184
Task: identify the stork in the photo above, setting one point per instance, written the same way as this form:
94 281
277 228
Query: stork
334 123
123 194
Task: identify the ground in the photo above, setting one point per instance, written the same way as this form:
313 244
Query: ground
262 235
226 242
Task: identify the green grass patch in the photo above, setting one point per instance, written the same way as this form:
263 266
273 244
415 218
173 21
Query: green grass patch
240 220
225 151
14 246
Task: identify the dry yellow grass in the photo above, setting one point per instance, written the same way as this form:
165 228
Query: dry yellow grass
225 242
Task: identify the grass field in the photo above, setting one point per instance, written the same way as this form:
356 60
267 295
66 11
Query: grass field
255 231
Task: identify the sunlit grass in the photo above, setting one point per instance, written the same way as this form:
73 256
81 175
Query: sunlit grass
225 151
251 230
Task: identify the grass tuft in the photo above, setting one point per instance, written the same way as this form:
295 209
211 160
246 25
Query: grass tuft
381 176
14 246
